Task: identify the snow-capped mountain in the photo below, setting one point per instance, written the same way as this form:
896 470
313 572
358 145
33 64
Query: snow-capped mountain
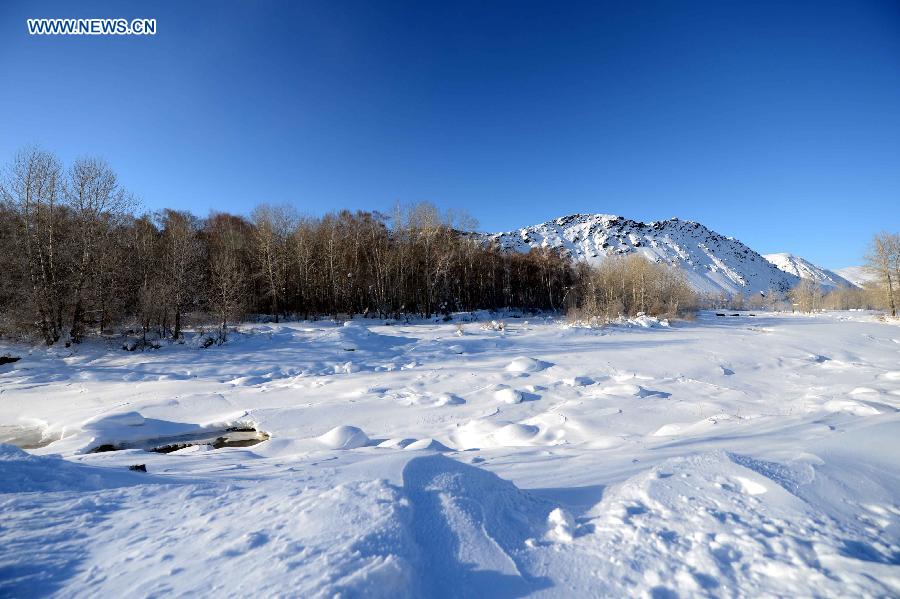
713 263
805 269
858 275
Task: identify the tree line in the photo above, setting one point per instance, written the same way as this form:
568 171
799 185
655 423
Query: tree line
78 260
629 285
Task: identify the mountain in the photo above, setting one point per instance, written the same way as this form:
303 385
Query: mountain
858 275
713 263
800 267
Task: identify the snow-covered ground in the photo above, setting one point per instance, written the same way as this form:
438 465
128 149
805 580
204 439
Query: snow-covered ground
736 455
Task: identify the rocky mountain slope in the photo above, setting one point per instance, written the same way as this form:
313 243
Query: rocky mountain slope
712 262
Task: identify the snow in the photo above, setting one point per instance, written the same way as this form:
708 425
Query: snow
723 457
858 275
711 262
344 437
804 269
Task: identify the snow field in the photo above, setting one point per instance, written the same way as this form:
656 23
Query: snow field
740 457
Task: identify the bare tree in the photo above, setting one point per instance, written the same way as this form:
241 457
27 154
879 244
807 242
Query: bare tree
806 296
181 264
96 201
273 225
228 239
32 188
884 260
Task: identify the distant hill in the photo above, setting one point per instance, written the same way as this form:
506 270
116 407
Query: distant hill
805 269
858 275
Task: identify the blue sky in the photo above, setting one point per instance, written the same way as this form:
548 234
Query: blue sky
774 122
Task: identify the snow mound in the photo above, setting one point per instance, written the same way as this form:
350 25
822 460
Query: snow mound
515 434
629 390
411 397
711 522
427 444
26 473
562 526
490 433
343 437
648 322
525 364
508 395
851 407
114 421
472 528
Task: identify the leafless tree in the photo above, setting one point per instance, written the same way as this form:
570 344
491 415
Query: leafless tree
883 259
806 296
228 239
96 203
272 228
32 189
181 265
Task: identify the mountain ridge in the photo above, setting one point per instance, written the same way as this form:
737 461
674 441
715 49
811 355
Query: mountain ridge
713 263
803 268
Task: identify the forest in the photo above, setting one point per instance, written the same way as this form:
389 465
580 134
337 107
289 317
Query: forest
79 261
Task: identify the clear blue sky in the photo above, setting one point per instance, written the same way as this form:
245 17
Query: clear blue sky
774 122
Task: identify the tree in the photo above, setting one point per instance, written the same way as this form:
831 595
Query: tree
272 227
181 264
31 189
96 202
883 259
807 296
228 241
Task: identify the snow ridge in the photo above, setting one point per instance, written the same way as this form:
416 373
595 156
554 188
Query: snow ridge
712 262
